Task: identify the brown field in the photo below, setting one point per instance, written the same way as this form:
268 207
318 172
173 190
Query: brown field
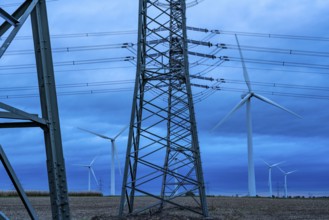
219 208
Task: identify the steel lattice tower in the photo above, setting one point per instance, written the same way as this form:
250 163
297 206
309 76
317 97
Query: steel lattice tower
163 156
49 121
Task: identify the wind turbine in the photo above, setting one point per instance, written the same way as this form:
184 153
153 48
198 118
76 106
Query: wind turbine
114 153
285 180
270 174
90 171
246 99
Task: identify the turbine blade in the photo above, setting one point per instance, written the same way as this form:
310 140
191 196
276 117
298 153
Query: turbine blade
117 158
291 172
276 164
92 171
245 73
121 132
281 170
232 111
81 165
94 133
91 163
266 163
276 104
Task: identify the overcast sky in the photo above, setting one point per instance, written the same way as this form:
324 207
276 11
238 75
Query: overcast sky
294 75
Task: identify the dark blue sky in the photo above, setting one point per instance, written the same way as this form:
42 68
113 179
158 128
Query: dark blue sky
278 136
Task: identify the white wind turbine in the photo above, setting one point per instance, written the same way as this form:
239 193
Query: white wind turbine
285 180
270 174
246 99
114 154
90 172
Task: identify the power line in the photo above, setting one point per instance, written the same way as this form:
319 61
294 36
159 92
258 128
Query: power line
199 96
72 63
73 70
274 50
295 95
130 32
82 92
265 69
264 35
279 63
75 49
71 85
279 85
260 61
80 35
205 94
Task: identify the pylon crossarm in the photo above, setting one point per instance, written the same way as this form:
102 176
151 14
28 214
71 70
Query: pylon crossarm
19 125
9 115
15 113
11 173
18 26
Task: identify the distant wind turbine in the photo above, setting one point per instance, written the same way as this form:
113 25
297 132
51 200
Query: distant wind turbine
114 153
285 180
90 171
270 175
246 99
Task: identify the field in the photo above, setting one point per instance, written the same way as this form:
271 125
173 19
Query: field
219 208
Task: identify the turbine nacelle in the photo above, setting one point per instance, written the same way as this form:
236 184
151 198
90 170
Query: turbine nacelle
245 94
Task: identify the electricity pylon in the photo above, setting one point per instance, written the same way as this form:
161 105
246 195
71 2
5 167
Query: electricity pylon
49 122
163 159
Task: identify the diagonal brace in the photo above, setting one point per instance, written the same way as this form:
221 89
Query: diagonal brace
17 184
10 19
17 15
24 11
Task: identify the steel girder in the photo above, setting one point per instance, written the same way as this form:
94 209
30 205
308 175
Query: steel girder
163 157
17 184
49 121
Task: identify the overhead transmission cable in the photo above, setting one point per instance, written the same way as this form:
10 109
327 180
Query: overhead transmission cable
296 95
81 92
212 32
198 97
250 34
72 85
71 70
275 50
75 49
265 69
72 63
81 35
260 61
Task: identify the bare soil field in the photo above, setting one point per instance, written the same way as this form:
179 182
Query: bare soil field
99 208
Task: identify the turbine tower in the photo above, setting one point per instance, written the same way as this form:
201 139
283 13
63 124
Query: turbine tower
163 134
270 175
246 99
285 181
114 154
90 172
